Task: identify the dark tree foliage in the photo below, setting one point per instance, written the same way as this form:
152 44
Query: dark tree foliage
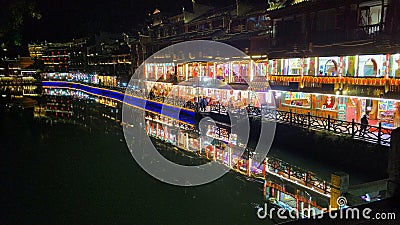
13 14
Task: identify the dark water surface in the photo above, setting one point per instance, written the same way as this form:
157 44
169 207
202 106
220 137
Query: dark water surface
69 174
73 174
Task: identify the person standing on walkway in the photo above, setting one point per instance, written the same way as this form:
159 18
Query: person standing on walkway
364 124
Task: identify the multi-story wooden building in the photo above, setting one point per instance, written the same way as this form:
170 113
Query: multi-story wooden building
332 58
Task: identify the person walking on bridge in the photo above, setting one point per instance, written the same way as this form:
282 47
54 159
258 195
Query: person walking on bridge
364 124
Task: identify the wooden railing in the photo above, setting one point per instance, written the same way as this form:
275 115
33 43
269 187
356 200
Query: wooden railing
368 133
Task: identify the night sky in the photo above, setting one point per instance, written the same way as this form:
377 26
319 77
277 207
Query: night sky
63 20
66 19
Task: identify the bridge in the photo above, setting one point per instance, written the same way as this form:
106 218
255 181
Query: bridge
171 107
181 114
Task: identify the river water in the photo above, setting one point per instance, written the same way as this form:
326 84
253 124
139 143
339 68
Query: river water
66 173
55 173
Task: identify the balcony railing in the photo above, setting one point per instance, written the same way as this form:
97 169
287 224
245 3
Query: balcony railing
372 81
340 35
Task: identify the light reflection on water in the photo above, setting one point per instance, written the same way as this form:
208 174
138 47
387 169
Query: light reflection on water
58 172
79 169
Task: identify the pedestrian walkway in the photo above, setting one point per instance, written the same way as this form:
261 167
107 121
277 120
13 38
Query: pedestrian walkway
372 134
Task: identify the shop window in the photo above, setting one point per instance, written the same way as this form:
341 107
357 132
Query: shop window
368 106
222 72
297 99
326 102
370 68
370 15
364 16
331 68
388 113
240 71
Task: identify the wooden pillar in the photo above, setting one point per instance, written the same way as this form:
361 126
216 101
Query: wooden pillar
394 165
187 141
387 64
200 145
179 138
248 166
265 189
214 152
265 168
356 67
339 186
230 157
157 129
272 192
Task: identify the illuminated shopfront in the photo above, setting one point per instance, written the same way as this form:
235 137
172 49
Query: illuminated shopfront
329 66
388 113
345 108
371 65
223 71
294 66
56 76
395 70
110 81
297 99
240 70
261 68
200 69
275 67
155 71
